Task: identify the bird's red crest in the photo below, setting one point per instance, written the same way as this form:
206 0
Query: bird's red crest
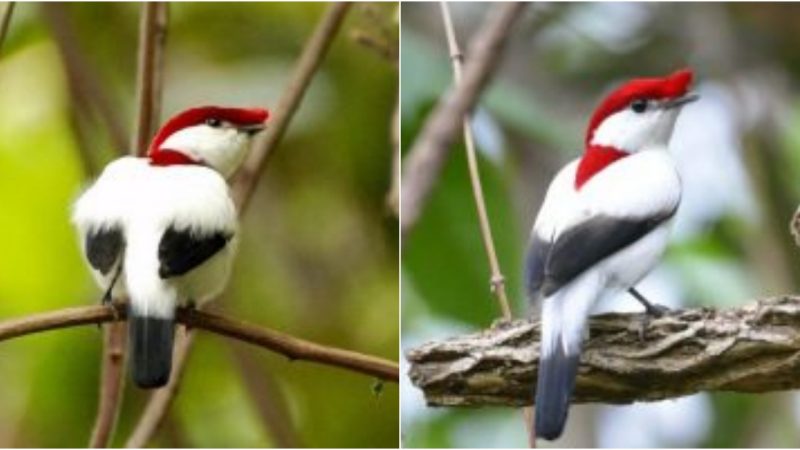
671 86
596 158
197 116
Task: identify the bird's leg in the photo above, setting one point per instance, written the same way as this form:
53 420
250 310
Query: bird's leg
651 310
107 299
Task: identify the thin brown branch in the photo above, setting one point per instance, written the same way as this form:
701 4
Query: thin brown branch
161 400
496 278
5 22
152 39
243 187
427 156
292 347
393 197
113 374
86 87
497 281
753 348
313 53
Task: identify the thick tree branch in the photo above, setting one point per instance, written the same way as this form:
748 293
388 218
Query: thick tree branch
285 344
754 348
313 53
431 148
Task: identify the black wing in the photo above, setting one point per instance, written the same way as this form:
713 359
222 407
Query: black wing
103 248
551 265
182 250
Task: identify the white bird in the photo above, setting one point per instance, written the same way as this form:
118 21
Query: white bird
603 225
161 230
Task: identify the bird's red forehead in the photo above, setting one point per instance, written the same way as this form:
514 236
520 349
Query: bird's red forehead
672 86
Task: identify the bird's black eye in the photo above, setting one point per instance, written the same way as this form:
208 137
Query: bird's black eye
639 105
213 123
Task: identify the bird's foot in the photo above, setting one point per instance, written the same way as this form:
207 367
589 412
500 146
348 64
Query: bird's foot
651 311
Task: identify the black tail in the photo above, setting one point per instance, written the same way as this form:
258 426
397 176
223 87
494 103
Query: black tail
151 350
557 374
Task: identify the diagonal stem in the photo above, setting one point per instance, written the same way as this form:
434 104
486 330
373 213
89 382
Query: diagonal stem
429 152
5 22
152 39
243 186
150 73
313 53
497 280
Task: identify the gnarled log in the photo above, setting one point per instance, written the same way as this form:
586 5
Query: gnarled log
753 348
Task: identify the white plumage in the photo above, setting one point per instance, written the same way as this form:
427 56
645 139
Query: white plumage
144 200
643 185
161 230
603 225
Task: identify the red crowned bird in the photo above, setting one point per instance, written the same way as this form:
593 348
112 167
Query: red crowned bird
603 225
161 229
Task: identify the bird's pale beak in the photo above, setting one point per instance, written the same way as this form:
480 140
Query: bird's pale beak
253 129
680 101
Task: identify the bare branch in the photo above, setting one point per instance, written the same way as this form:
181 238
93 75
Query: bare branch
243 187
113 375
753 348
5 22
285 344
313 53
496 279
86 88
152 38
160 401
431 148
393 197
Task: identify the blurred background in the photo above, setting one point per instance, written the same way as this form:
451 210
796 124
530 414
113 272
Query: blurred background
318 257
738 150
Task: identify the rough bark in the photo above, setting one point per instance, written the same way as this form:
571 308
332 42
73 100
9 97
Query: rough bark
753 348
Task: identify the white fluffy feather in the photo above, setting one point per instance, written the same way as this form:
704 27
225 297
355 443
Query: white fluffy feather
144 200
636 186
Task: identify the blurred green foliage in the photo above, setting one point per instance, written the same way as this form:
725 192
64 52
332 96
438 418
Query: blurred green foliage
318 257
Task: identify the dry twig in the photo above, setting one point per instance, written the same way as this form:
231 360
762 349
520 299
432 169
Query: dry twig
87 90
427 156
292 347
753 348
243 187
496 281
152 37
5 22
313 53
